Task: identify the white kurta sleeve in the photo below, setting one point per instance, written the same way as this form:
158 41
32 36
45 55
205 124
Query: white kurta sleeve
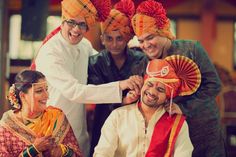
183 145
108 141
88 44
53 67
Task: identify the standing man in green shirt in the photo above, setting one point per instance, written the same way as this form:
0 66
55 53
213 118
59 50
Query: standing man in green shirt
152 28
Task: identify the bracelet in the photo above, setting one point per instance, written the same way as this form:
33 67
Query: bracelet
35 148
69 152
63 149
28 152
31 151
25 153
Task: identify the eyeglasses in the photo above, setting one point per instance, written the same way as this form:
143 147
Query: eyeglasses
81 25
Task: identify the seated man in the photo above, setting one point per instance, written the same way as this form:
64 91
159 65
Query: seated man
145 128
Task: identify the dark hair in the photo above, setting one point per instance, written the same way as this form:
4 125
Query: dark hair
23 82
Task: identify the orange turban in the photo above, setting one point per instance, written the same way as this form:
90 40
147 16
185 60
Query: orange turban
119 18
151 17
179 74
92 11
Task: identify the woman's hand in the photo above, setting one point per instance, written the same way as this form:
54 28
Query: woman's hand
43 143
56 151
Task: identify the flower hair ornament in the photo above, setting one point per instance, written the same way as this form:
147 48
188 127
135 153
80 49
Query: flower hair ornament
12 97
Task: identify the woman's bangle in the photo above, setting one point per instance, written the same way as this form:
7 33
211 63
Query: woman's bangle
25 153
28 152
63 149
69 152
31 151
35 148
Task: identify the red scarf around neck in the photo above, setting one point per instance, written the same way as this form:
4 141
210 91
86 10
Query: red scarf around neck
164 136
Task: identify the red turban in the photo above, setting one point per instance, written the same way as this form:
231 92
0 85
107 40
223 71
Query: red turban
151 17
119 18
92 11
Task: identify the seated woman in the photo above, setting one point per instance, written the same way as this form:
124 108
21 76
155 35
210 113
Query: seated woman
31 129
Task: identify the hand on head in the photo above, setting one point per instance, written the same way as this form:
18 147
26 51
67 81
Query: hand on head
134 82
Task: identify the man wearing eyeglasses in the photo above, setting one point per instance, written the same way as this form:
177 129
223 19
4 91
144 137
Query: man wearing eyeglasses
63 58
72 34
